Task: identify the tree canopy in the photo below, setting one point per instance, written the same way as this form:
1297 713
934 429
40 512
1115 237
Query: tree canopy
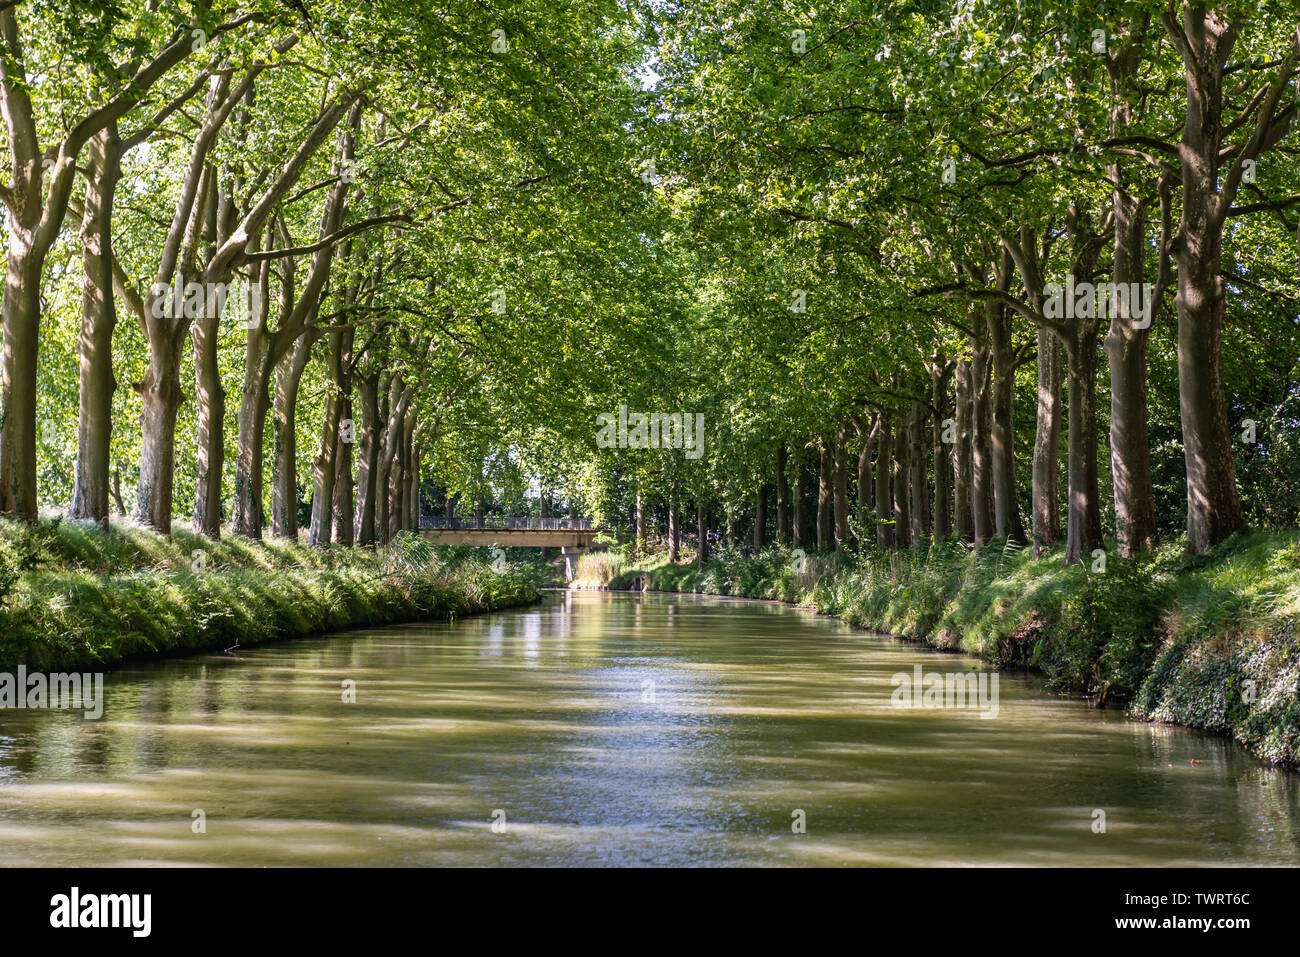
926 270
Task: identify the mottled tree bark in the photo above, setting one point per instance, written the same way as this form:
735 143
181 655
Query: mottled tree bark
367 460
963 512
96 382
343 507
1006 504
1205 40
284 462
323 470
1047 442
919 485
941 368
1083 516
865 483
399 398
1126 340
981 454
254 402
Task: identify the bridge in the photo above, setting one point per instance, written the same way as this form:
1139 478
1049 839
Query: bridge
572 536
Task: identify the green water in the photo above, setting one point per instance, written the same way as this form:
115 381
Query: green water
615 729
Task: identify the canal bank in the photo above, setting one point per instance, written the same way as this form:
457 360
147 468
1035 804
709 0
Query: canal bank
74 597
1209 642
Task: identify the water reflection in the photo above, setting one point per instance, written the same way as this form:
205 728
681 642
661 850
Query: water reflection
614 729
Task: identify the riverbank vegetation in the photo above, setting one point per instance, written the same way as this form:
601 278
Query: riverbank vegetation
74 596
1209 641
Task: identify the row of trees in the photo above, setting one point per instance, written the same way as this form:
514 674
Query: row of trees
947 244
857 244
354 226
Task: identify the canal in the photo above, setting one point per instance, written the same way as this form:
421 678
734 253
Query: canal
606 729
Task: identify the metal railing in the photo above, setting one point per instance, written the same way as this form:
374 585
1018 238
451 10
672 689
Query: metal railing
507 522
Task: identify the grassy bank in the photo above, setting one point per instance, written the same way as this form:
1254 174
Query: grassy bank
75 597
1210 642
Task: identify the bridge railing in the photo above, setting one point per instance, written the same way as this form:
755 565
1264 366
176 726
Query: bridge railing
506 522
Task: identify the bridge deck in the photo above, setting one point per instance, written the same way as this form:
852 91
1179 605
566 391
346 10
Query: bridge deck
509 532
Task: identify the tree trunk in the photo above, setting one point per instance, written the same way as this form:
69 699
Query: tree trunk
702 530
1083 517
840 489
920 486
396 480
981 454
865 488
1047 442
940 374
96 382
885 529
284 463
760 516
400 478
902 496
1130 446
1126 343
1213 506
1006 505
392 497
166 331
254 402
160 396
21 323
323 470
782 497
963 512
824 495
399 396
117 491
367 461
640 520
797 516
253 406
210 396
343 508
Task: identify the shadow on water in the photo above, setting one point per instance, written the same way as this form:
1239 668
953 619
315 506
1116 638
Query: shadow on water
606 728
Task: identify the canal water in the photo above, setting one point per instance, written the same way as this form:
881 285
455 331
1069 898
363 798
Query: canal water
616 729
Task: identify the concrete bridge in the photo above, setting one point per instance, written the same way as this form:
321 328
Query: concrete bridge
572 536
